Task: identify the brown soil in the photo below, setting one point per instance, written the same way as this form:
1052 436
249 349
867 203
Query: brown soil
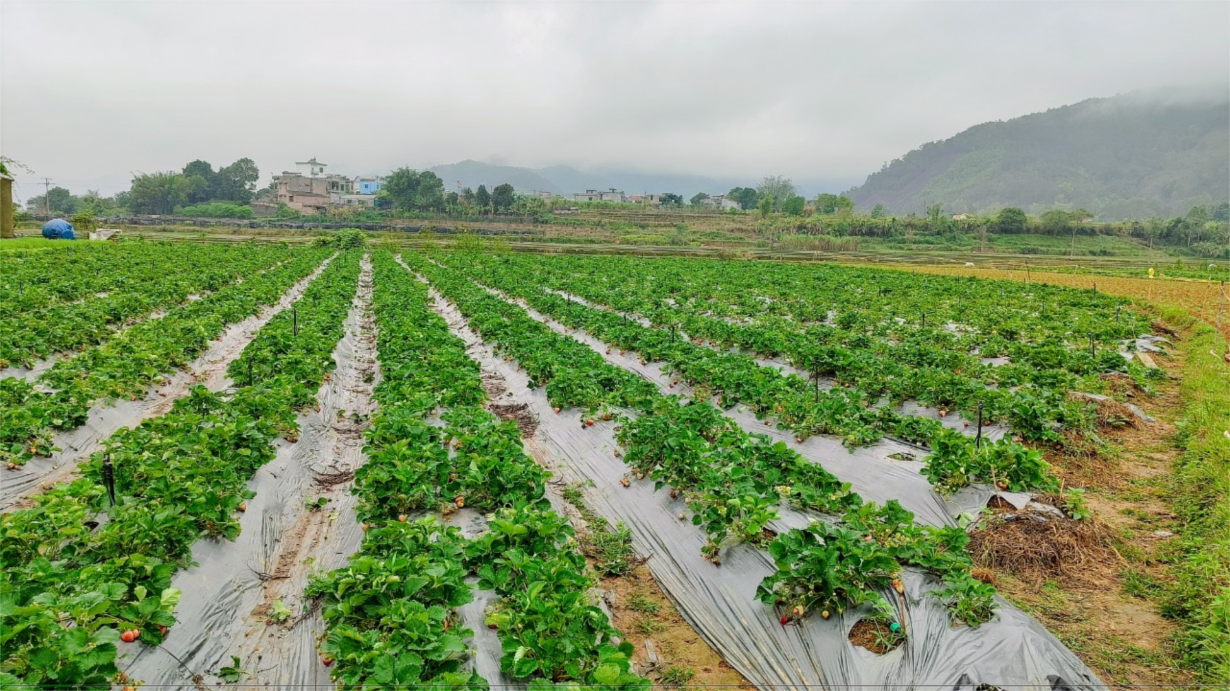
493 384
520 412
874 636
675 643
331 479
1075 580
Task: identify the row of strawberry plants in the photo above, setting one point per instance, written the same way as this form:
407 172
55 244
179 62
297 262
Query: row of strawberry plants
992 312
34 334
80 570
737 378
868 348
127 365
725 475
38 280
413 571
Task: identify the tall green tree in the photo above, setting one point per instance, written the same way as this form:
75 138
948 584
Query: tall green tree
158 193
1011 220
502 198
58 200
826 204
406 189
698 198
745 196
236 182
794 205
672 199
483 198
202 181
776 188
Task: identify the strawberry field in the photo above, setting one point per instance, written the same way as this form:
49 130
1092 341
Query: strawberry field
795 452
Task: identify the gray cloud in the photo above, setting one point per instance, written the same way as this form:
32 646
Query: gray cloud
92 92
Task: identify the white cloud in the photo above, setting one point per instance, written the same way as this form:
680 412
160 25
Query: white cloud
90 92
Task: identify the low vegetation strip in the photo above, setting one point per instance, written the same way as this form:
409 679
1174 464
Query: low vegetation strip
392 613
732 481
1199 594
83 573
31 335
127 365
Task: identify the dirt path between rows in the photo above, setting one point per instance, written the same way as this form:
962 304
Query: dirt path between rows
105 419
1107 611
301 521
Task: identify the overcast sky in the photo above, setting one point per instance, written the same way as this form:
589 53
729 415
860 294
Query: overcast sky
91 92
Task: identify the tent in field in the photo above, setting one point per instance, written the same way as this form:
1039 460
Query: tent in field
58 229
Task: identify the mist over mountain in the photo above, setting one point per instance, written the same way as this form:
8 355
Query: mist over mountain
567 180
1143 154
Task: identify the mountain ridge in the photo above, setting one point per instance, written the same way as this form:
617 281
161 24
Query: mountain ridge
1137 155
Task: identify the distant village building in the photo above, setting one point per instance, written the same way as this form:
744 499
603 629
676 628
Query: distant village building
302 193
310 168
719 202
308 189
962 217
365 201
367 185
611 195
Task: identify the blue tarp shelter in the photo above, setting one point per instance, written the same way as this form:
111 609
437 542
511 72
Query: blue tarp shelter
58 229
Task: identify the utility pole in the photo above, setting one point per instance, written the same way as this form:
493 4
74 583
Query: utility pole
46 196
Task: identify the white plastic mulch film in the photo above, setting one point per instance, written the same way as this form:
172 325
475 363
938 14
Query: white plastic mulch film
720 602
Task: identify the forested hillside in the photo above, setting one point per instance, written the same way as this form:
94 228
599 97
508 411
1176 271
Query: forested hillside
1147 154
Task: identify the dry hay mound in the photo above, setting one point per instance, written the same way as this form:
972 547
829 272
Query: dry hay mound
1111 414
1037 544
1121 384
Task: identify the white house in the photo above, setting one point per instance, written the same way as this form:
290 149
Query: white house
719 202
310 168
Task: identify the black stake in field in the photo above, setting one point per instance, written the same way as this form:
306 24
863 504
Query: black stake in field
978 438
108 477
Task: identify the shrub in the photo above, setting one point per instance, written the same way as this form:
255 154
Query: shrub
216 210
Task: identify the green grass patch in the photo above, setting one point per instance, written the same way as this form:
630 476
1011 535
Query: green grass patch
1199 596
31 243
610 548
1082 245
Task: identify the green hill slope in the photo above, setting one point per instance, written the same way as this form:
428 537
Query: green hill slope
1140 155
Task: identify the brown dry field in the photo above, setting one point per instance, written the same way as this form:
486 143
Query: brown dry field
1207 300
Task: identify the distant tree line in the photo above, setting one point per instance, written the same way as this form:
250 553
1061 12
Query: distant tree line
198 187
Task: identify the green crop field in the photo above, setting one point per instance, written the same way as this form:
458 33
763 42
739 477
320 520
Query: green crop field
444 462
